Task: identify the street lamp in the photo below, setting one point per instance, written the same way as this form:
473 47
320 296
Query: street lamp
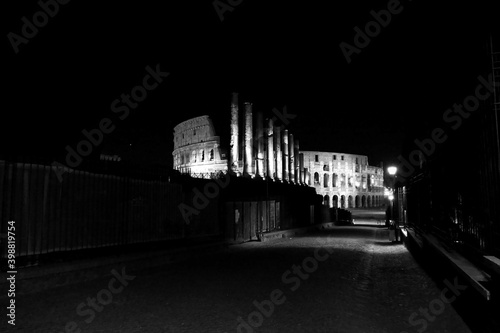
392 170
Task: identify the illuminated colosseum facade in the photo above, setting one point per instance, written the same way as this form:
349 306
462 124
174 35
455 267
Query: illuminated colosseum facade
197 148
344 180
263 149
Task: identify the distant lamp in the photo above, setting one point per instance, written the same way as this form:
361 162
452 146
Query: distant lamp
391 197
392 170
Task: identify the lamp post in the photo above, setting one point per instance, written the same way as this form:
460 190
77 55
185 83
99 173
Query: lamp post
392 170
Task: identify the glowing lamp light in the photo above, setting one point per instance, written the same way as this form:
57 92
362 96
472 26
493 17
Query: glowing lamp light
391 197
392 170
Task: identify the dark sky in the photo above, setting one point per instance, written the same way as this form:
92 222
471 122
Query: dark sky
285 53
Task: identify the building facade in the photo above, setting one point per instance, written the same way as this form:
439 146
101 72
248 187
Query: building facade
261 148
344 180
257 148
197 148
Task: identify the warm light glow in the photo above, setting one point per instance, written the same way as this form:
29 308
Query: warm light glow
392 170
391 197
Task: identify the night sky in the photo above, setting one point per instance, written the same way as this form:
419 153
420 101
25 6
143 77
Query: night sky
64 79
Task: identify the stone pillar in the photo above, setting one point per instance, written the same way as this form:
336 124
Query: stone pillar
296 155
259 132
249 160
330 174
302 173
277 150
233 145
311 173
291 157
270 149
285 155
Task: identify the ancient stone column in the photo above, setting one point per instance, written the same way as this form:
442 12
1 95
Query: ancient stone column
285 155
291 157
277 150
249 160
311 173
270 149
259 129
233 145
296 153
305 174
330 174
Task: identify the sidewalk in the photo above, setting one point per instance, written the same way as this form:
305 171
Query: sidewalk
56 274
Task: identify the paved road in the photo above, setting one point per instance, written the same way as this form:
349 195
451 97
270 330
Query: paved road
346 279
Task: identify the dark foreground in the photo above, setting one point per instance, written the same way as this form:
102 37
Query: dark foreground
347 279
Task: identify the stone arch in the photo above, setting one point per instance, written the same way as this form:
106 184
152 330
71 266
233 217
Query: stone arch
342 201
350 202
326 178
363 201
335 201
326 200
368 201
357 202
316 178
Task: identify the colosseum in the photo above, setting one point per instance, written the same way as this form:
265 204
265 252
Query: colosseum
344 180
197 149
264 149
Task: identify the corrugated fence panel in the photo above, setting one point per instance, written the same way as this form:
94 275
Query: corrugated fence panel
73 210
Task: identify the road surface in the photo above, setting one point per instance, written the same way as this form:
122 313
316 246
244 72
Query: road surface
345 279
